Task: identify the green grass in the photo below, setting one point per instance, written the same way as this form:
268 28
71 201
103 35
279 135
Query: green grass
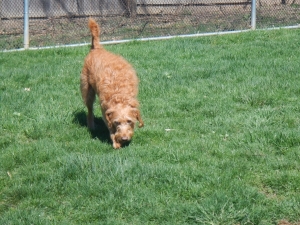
220 144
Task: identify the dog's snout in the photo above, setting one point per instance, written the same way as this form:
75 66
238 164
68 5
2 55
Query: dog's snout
124 138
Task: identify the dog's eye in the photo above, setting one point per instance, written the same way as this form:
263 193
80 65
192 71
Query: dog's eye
129 121
116 123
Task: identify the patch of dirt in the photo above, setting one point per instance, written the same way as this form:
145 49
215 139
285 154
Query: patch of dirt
285 222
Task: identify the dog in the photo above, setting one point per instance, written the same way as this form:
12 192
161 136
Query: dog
115 82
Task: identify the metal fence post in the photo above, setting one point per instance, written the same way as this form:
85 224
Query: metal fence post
253 15
131 7
26 24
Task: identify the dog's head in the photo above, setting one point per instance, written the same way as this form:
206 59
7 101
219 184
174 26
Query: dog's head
121 121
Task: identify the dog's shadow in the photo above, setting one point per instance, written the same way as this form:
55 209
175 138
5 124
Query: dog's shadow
101 132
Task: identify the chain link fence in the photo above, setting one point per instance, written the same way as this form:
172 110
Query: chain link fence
61 22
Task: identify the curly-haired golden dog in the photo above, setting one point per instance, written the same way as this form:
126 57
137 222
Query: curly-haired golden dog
115 82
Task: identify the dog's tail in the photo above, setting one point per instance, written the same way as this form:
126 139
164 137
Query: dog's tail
95 31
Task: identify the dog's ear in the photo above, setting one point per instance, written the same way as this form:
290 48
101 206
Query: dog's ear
137 115
108 117
133 103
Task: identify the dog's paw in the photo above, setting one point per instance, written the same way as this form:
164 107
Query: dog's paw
116 145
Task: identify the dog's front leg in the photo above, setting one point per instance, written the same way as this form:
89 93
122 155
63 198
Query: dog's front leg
116 145
90 119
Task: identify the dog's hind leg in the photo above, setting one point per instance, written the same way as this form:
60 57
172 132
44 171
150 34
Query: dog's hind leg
88 96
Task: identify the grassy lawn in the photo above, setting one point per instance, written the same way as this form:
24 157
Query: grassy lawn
220 144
